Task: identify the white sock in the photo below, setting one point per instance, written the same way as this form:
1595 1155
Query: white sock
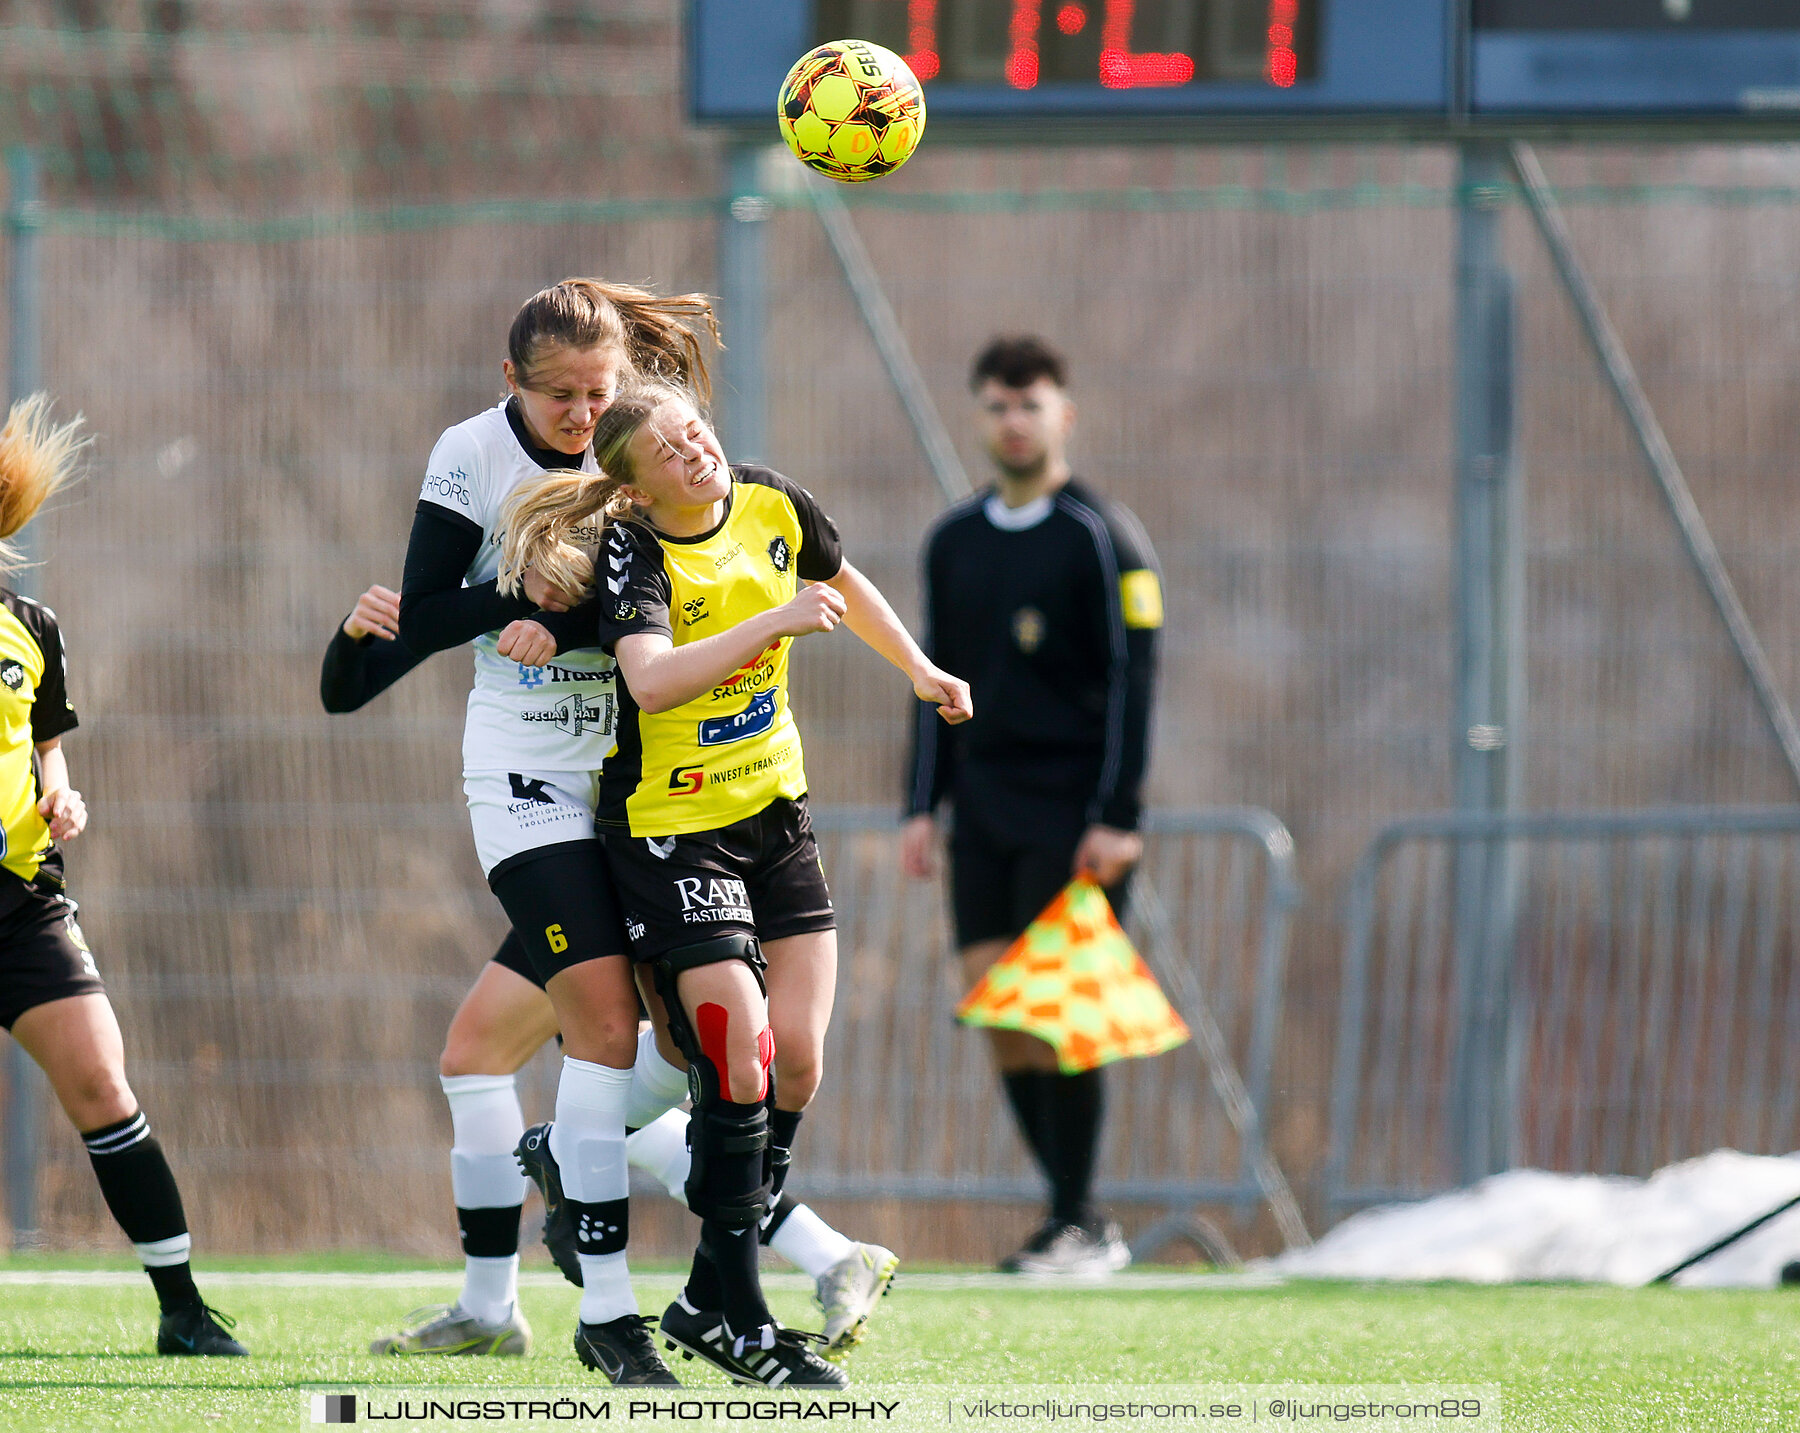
656 1085
588 1144
486 1123
660 1150
808 1242
489 1289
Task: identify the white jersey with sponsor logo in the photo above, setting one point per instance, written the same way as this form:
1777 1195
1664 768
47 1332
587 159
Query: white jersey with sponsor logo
553 718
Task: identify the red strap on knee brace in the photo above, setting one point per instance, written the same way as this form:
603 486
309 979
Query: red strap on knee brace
711 1025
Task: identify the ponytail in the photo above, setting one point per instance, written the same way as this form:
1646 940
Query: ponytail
541 512
662 336
538 518
37 456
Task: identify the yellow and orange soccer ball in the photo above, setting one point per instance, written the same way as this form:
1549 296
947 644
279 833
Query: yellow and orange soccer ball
851 110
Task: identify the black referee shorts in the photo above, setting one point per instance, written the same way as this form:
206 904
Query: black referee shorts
760 876
1009 858
43 955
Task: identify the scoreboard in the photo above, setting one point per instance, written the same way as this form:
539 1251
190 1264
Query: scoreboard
1422 63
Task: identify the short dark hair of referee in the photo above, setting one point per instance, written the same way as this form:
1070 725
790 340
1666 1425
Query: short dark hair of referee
1046 597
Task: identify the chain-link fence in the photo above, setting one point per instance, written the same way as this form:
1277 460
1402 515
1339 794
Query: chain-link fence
267 335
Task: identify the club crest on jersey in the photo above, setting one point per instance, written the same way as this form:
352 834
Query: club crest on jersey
12 673
780 553
575 714
753 720
1028 629
623 611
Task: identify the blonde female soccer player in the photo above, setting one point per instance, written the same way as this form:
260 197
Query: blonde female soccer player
706 575
499 1026
51 997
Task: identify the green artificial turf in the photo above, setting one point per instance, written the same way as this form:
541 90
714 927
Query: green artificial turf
78 1356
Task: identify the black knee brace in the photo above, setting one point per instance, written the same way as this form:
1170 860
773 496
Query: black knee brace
727 1179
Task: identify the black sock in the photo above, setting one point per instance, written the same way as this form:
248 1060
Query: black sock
1072 1106
732 1176
1024 1090
704 1291
783 1126
777 1216
139 1188
489 1233
603 1227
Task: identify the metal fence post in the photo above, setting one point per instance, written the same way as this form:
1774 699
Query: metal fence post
24 1092
744 303
1489 658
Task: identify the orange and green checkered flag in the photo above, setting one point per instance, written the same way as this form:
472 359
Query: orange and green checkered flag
1074 981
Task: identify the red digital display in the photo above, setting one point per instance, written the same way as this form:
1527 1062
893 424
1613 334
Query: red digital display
1116 44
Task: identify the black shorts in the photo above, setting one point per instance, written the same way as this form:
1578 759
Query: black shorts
43 955
511 956
561 903
1009 860
760 876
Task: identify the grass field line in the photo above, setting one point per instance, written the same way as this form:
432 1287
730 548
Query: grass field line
448 1279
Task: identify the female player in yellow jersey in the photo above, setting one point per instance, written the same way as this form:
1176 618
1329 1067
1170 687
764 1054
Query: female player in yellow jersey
698 594
51 997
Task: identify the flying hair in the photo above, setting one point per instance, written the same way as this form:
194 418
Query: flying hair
665 336
37 457
541 513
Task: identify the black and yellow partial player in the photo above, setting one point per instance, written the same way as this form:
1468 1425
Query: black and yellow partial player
705 576
51 996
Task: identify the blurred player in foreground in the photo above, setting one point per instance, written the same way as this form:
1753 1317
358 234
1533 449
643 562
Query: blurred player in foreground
51 997
501 1023
710 574
1047 597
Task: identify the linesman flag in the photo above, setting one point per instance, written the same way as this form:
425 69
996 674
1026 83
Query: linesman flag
1074 981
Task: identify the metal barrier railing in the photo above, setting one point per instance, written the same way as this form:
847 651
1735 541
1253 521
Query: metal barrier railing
911 1108
256 1106
1597 992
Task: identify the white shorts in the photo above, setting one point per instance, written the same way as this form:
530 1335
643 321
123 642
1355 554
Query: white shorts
517 811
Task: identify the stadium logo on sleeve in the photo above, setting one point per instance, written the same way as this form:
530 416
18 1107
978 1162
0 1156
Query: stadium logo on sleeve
12 673
780 553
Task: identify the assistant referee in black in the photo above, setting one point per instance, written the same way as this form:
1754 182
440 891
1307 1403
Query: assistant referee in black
1047 598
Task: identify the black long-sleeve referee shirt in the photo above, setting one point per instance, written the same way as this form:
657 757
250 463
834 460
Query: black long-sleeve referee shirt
1054 625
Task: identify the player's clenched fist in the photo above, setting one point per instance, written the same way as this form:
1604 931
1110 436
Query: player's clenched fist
526 642
817 607
65 813
377 614
950 694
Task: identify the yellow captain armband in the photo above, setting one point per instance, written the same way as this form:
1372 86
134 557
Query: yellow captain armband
1141 596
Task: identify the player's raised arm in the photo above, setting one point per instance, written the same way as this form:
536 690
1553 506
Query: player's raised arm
868 614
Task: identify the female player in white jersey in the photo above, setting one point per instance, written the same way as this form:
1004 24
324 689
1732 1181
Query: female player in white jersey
500 1024
703 805
536 737
51 997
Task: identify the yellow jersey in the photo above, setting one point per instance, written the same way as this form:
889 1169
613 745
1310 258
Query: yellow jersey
34 707
727 754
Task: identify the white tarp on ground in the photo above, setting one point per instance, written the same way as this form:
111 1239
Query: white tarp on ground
1527 1224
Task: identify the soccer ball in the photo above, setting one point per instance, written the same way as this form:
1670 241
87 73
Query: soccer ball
851 110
